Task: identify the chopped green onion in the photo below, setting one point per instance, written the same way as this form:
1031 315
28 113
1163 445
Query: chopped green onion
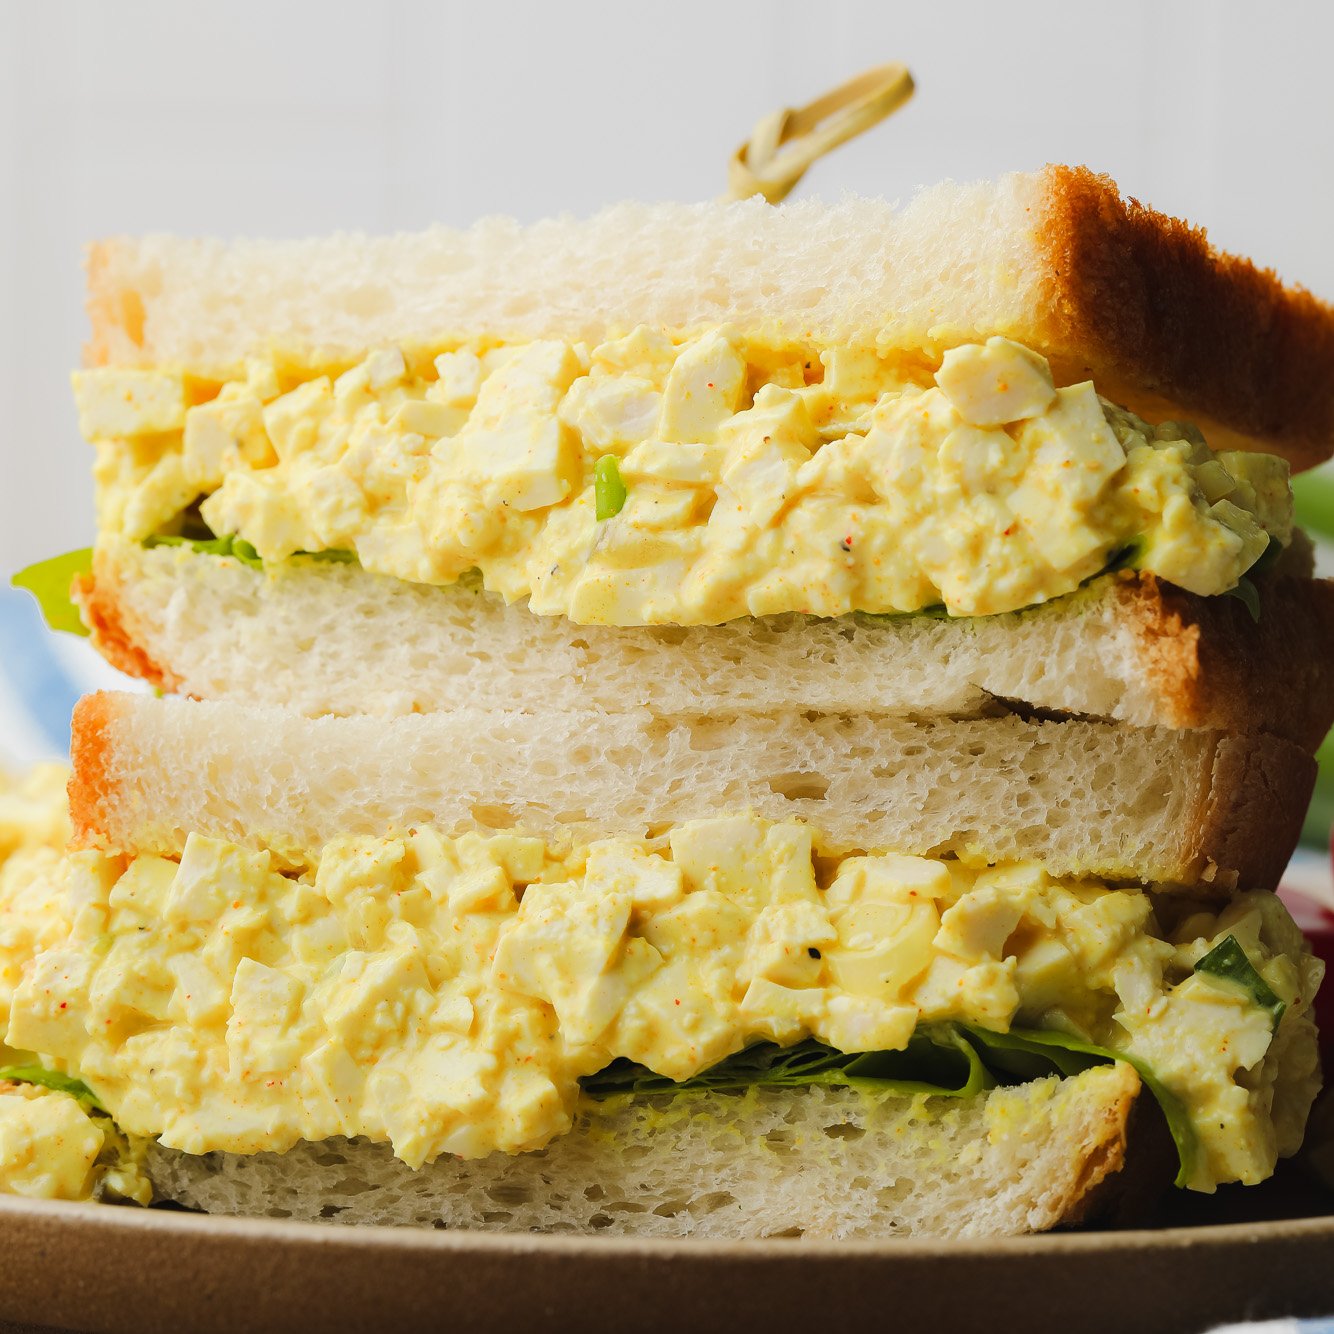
608 490
1127 557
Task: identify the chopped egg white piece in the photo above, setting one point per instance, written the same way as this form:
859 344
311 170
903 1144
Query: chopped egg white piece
763 476
48 1144
447 994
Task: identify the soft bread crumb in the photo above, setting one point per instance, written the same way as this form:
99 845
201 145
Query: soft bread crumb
330 638
818 1162
1085 798
1055 259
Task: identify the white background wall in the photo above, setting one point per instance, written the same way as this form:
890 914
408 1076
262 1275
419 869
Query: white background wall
257 116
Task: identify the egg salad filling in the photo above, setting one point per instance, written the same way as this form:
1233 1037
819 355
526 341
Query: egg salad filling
460 995
685 479
56 1140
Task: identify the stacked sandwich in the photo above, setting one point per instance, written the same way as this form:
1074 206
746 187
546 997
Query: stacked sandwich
708 720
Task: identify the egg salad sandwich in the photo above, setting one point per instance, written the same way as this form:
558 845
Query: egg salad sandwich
707 721
724 1025
842 458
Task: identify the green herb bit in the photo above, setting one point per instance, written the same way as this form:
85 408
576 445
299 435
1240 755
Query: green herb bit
236 547
239 549
608 490
1127 557
1227 960
334 556
53 1079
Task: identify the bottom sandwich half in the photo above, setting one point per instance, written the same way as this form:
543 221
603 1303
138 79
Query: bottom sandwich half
721 1029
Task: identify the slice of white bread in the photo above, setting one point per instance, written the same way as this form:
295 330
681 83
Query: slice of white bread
816 1162
1105 288
1085 798
327 638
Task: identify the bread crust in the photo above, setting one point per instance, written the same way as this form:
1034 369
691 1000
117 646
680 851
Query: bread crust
1249 814
1215 667
113 633
1100 1178
1172 327
91 789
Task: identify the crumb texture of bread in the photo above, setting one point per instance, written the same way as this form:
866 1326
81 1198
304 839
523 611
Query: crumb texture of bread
1055 258
831 272
322 638
1085 798
817 1162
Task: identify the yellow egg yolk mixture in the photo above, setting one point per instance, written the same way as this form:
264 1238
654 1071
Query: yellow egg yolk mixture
447 995
686 479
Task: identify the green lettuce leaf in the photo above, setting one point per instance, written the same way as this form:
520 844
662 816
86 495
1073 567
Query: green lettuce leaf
235 547
49 582
53 1079
334 555
239 549
1021 1053
946 1060
1320 814
937 1060
937 611
1127 557
1227 960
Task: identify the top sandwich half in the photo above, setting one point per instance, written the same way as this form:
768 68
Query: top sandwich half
805 430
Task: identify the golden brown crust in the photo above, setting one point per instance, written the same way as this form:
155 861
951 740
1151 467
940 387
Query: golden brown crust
1249 814
1213 666
113 634
1169 326
91 795
1100 1177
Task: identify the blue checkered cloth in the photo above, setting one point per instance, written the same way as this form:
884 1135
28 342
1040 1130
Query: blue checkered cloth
41 676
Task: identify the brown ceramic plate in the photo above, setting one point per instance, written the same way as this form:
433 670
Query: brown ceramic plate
97 1267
